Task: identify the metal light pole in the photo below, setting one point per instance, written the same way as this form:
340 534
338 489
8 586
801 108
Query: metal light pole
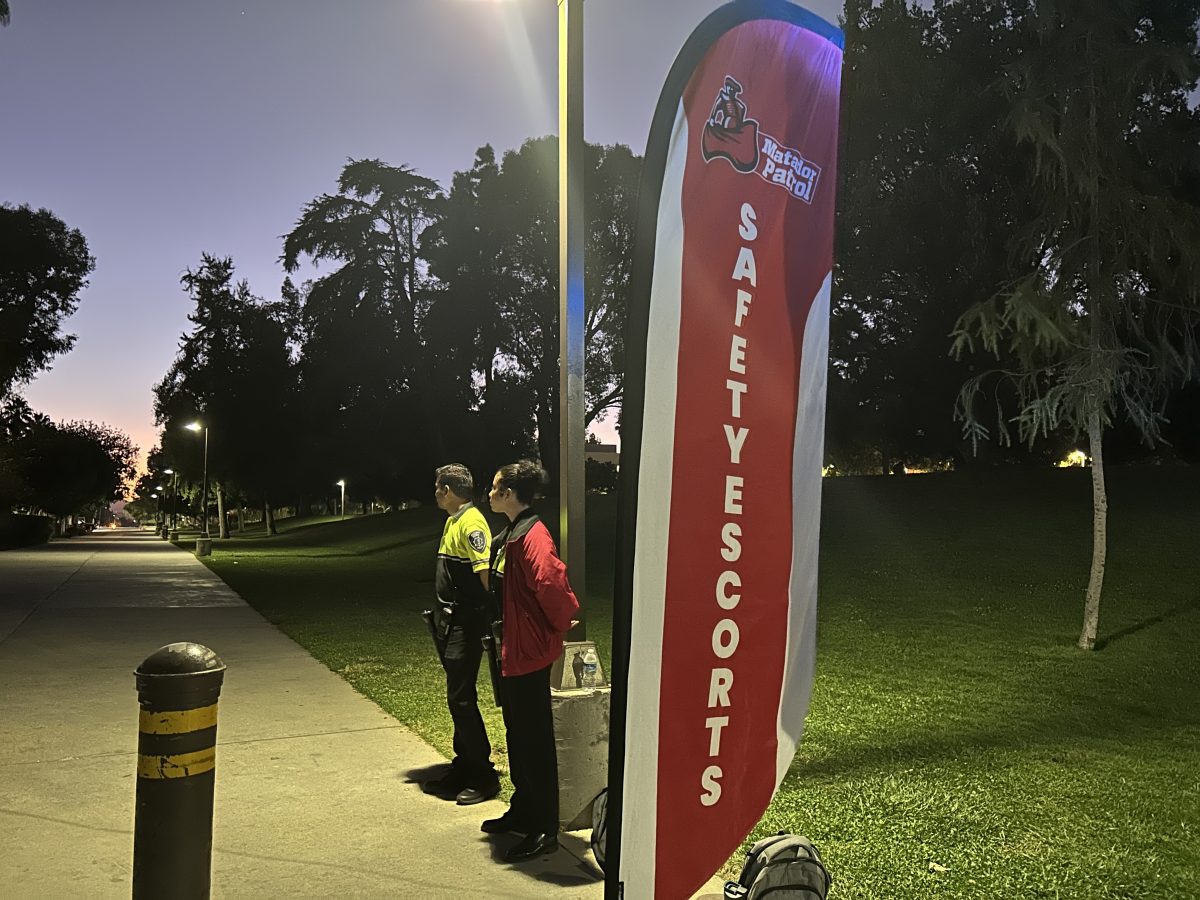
342 485
174 493
570 308
196 426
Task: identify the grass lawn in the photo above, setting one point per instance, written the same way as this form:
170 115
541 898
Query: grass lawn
957 745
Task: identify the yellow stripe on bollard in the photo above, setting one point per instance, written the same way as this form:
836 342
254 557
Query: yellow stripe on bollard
179 765
177 721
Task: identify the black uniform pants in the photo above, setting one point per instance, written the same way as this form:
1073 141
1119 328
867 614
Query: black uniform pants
461 654
532 758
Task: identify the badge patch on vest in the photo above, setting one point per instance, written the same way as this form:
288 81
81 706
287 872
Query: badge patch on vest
477 540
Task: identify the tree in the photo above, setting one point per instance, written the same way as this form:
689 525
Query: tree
17 421
464 248
75 468
5 16
485 399
928 193
233 371
43 267
362 364
495 253
1105 323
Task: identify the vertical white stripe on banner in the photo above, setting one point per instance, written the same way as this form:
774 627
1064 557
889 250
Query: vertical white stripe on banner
639 821
807 456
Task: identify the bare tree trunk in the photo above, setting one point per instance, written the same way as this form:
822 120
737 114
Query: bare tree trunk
241 519
223 523
269 518
1091 606
1095 291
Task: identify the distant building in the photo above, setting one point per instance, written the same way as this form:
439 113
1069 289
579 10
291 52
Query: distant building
605 453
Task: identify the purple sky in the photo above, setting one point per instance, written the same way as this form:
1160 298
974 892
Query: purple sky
163 130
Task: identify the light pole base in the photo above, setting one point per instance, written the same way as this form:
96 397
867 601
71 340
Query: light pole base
204 546
581 739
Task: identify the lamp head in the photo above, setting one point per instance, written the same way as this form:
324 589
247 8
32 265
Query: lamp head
168 471
193 426
341 483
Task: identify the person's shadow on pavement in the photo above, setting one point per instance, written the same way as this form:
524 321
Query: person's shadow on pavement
425 773
570 865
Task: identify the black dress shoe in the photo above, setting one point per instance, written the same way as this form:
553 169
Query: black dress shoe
506 824
472 795
536 843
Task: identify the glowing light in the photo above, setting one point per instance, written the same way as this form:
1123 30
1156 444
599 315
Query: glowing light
1074 458
530 82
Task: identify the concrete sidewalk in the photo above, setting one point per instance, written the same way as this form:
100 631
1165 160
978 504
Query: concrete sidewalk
314 796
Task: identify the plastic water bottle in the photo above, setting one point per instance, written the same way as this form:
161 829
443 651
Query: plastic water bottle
591 662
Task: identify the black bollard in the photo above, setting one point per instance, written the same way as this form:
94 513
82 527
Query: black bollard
178 688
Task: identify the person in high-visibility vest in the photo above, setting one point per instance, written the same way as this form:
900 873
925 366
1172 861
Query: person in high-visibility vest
461 620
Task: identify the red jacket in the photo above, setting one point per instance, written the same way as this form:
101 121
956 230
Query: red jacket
538 601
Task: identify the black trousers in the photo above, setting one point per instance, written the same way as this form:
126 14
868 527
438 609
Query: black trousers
461 653
532 758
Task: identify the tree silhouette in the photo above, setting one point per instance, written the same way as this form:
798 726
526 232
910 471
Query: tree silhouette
234 372
43 267
363 366
494 252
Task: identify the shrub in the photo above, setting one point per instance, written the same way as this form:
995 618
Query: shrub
24 531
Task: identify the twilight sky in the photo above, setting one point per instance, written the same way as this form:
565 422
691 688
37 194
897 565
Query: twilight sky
163 130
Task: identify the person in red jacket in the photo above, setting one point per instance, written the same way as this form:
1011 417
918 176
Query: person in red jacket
530 584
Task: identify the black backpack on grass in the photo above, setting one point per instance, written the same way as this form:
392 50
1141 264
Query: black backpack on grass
782 867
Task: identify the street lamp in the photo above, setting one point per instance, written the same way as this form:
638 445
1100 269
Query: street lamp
570 293
342 485
571 330
174 493
197 426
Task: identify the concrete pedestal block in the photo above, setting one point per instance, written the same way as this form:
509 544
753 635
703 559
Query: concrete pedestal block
581 737
174 535
203 546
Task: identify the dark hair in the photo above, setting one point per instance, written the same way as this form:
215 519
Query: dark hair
458 478
524 477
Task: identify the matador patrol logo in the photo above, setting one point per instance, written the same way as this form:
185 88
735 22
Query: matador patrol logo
730 135
477 540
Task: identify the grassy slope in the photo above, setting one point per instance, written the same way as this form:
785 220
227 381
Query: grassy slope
957 744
